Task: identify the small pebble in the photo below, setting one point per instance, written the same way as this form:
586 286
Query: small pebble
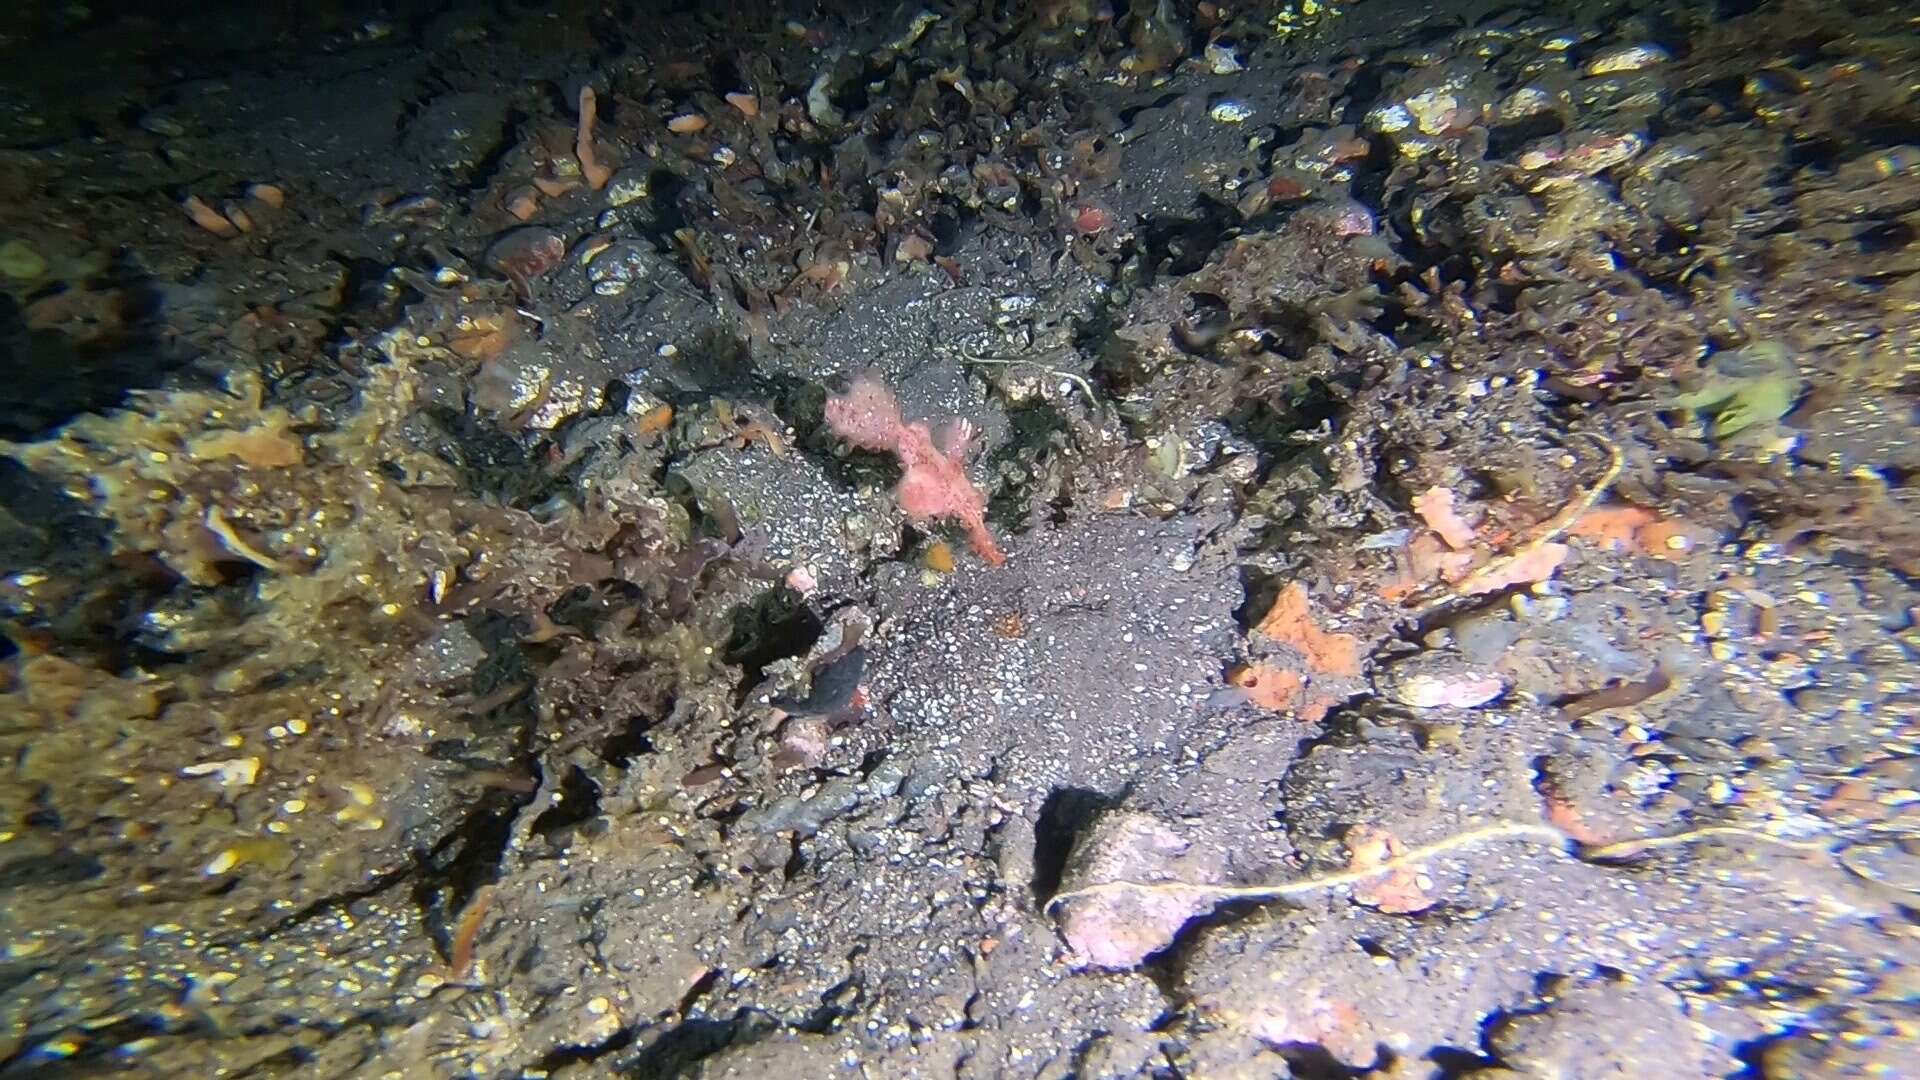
1231 112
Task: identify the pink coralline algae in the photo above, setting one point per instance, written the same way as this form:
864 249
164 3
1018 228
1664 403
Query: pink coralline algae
935 484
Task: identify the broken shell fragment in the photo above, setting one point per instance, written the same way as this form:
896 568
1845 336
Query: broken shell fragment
1599 153
1435 111
627 187
553 187
1439 680
1582 155
525 254
1627 58
1222 60
208 218
524 204
1349 218
1389 119
1231 112
1525 102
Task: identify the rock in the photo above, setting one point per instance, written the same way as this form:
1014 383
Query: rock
1120 927
1435 680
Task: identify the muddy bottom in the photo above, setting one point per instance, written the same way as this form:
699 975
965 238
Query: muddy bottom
1059 540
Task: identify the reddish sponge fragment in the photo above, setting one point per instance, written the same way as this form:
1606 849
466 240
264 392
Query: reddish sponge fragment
935 484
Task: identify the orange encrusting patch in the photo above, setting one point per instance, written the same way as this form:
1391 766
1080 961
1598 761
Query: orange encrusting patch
1435 507
654 421
1614 528
523 205
1323 655
1268 686
555 186
1290 622
1472 561
1672 538
1638 531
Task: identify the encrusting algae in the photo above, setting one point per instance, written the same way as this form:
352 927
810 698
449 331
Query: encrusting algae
238 753
299 619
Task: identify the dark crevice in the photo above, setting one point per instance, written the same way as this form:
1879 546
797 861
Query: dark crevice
51 869
381 883
53 375
837 1003
1168 966
1507 139
1454 1061
565 1056
678 1051
1063 818
1036 426
1312 1061
1174 246
1546 985
1753 1053
576 801
628 741
490 165
778 625
468 858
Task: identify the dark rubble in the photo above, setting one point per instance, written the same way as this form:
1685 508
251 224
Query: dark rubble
1454 465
